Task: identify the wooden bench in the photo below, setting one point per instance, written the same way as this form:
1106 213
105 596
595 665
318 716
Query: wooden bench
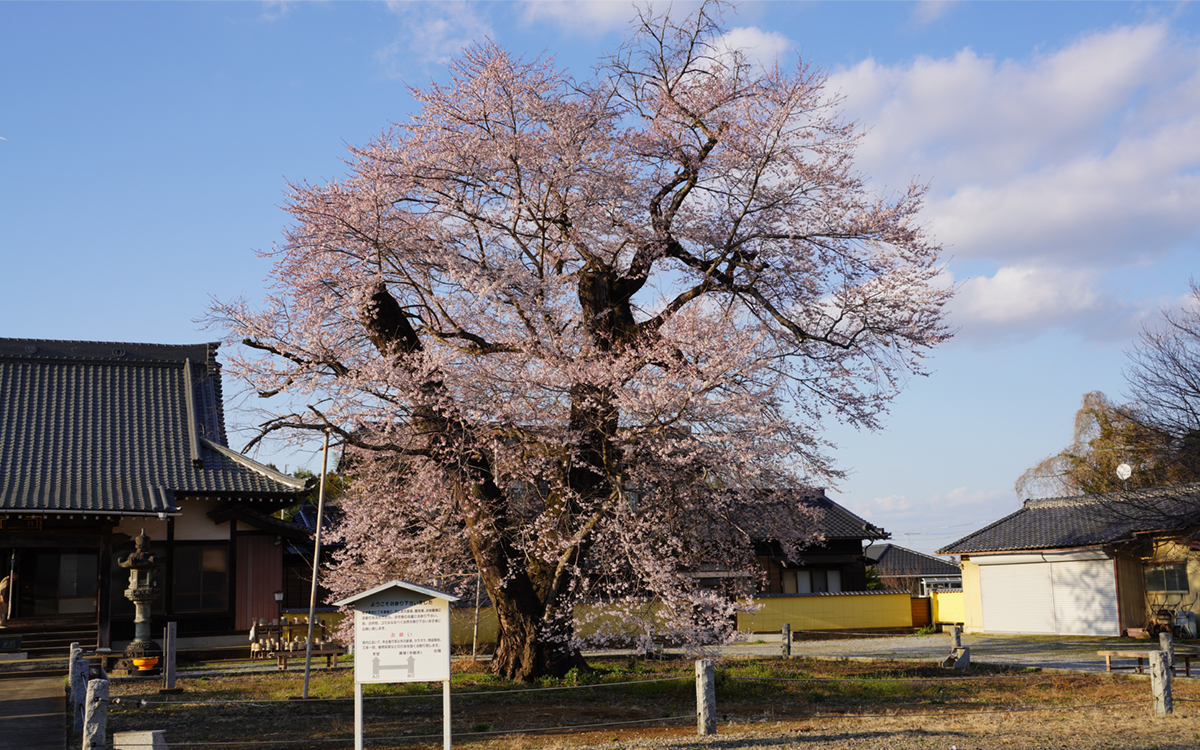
330 654
1143 657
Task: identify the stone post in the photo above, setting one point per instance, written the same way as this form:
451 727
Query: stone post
786 634
1166 644
95 720
956 637
79 687
706 698
154 739
1160 684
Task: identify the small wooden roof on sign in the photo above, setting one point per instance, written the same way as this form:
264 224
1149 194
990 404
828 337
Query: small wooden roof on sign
401 585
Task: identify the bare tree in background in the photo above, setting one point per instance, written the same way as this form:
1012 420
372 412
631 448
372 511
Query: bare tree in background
1157 434
1164 380
1106 435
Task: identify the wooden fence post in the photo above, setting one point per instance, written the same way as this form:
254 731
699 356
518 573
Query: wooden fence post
706 698
169 657
1160 684
95 720
786 634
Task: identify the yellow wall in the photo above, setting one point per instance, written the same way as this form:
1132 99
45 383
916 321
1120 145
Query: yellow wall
948 607
1173 551
830 612
462 626
296 625
972 599
848 611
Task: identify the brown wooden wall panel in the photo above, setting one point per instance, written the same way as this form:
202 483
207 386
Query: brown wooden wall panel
921 613
259 576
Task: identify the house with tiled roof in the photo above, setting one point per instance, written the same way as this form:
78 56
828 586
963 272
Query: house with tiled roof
1089 565
833 565
100 441
909 570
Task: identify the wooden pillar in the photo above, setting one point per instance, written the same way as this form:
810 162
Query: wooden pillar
169 657
233 588
168 571
104 588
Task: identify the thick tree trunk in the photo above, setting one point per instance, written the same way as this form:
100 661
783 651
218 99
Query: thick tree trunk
534 636
527 646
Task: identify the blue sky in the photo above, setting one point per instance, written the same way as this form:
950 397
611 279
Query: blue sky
146 148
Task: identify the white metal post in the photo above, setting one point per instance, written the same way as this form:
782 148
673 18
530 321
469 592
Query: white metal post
312 598
446 714
358 716
706 698
475 635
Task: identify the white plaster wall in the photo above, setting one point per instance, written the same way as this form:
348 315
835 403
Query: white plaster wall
133 525
195 524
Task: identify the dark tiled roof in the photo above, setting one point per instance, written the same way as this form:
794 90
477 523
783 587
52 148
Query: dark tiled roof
892 561
104 427
1086 521
835 521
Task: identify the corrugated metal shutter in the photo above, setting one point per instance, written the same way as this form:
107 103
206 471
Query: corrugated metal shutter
1085 598
1017 598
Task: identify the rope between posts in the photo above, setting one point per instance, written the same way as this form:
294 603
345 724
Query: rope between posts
569 727
437 695
576 727
865 680
956 712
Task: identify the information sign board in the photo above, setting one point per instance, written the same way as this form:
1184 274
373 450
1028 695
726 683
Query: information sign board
401 636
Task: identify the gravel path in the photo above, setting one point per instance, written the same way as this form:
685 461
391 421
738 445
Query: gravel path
1073 654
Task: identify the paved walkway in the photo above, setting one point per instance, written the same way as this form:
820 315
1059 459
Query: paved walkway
32 714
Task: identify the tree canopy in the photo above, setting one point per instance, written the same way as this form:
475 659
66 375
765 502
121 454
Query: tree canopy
580 337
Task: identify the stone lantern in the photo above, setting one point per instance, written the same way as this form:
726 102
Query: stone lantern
141 591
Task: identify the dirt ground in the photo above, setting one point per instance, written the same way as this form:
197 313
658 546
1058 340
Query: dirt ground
762 702
1126 727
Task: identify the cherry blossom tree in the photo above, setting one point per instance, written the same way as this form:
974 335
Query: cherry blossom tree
580 338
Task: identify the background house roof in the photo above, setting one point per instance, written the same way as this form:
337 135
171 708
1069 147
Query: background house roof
110 427
834 521
1086 521
897 562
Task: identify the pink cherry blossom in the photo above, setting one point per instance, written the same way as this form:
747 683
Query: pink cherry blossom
581 338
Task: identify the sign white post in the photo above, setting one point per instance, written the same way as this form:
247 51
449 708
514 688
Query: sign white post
401 634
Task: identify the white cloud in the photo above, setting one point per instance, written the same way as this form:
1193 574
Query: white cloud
928 523
762 48
1059 169
960 497
594 17
927 11
433 33
1025 294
